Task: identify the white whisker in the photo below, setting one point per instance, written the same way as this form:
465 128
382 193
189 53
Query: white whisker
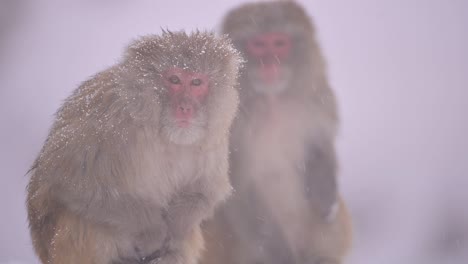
277 59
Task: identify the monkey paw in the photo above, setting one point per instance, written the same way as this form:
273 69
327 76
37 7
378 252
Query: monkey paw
153 258
144 248
173 258
149 249
315 260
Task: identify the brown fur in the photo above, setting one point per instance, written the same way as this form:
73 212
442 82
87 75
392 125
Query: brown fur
108 186
286 207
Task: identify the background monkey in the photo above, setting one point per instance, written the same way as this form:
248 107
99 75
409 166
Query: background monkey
286 207
137 156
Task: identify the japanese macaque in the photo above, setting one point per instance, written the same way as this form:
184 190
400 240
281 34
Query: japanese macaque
286 207
138 156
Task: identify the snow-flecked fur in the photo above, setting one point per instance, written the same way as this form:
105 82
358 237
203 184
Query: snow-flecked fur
108 181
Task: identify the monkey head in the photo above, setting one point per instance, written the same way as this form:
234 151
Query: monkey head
273 36
194 78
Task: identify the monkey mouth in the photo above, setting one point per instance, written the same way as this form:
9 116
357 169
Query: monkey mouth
184 123
188 122
269 69
184 131
269 73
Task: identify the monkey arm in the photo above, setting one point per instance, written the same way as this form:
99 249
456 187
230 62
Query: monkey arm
137 225
320 178
124 212
195 203
89 180
86 160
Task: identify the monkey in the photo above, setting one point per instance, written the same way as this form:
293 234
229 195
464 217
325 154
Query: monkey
286 207
137 156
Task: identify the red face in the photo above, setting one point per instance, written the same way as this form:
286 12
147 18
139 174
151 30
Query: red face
187 90
268 51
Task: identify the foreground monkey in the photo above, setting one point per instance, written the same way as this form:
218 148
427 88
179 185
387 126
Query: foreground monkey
286 207
138 156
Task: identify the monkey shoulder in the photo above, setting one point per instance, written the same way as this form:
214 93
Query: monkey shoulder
89 138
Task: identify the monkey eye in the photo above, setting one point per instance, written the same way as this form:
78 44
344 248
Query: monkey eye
259 44
196 82
280 43
174 79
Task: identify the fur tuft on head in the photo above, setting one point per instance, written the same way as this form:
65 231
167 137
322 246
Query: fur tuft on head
199 51
266 16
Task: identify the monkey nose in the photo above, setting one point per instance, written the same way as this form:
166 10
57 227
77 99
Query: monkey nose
185 108
271 58
184 111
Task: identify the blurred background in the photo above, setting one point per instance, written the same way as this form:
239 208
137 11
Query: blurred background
398 67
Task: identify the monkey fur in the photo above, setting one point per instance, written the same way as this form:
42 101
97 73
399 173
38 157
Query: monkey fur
116 181
286 207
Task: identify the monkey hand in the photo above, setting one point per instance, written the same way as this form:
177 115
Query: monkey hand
182 251
151 259
146 247
321 187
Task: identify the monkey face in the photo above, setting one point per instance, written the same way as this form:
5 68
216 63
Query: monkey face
193 78
184 118
269 58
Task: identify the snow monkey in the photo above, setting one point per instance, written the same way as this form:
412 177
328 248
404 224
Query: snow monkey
286 206
138 156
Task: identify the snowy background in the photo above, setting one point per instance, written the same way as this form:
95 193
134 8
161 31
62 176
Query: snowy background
399 68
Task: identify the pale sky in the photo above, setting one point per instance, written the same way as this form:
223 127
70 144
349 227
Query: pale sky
399 69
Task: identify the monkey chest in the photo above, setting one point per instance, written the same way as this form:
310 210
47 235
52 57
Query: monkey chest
274 150
159 173
275 142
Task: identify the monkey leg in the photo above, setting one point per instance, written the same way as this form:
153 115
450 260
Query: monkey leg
248 246
219 242
62 247
320 242
76 241
329 241
185 252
